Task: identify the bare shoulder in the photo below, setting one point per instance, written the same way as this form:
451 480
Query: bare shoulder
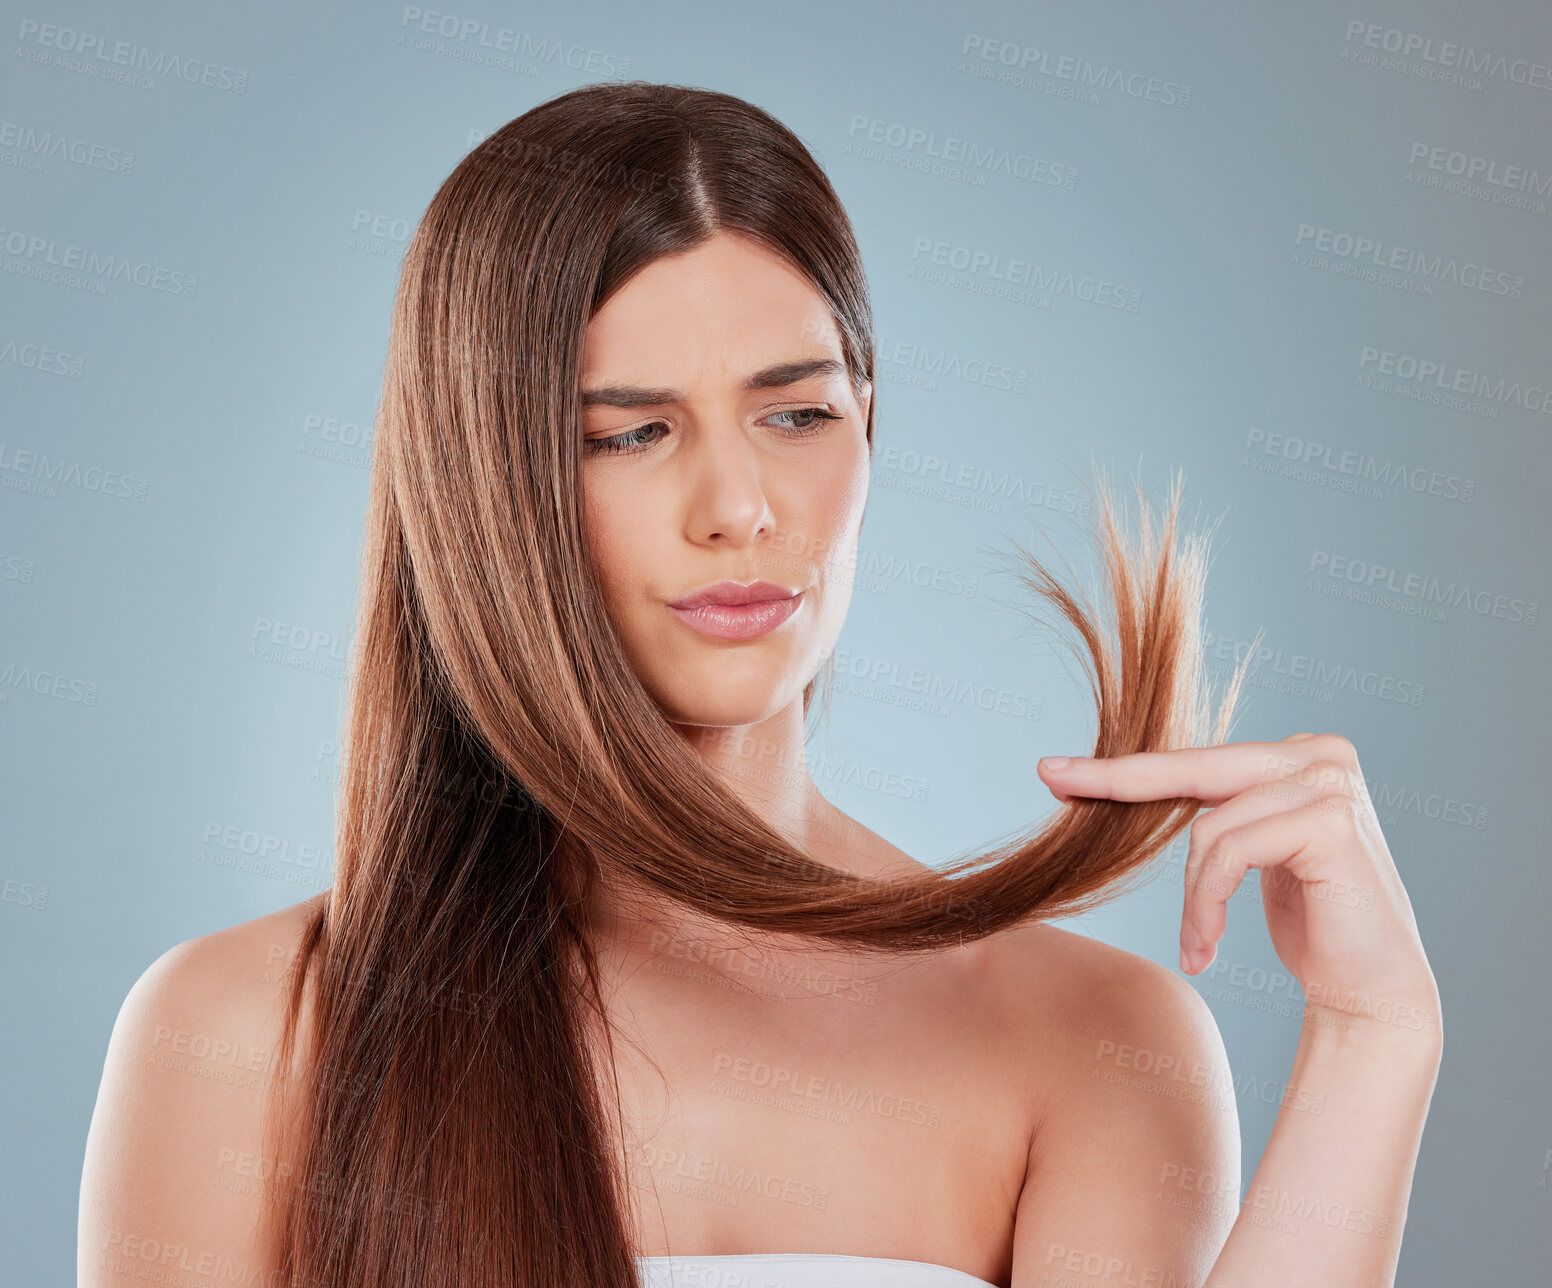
236 971
1075 990
1135 1144
176 1169
1079 1011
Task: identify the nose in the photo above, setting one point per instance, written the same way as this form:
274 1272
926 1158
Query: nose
727 495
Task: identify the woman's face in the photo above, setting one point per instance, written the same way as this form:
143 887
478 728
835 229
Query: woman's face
724 443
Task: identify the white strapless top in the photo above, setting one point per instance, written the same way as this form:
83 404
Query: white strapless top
799 1270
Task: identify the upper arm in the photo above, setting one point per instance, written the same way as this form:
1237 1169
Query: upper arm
1133 1170
174 1173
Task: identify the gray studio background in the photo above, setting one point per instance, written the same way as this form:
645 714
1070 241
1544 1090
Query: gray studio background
1329 231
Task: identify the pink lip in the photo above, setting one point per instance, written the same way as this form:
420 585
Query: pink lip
730 611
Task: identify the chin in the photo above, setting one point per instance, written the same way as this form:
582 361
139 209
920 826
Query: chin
722 712
726 696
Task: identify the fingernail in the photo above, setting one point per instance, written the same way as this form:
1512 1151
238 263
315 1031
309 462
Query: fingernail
1055 762
1185 960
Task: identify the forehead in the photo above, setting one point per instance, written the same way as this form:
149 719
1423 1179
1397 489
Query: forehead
717 312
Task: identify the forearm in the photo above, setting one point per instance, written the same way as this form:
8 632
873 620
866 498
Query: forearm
1326 1206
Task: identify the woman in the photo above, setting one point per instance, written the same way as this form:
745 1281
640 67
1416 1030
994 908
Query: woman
605 991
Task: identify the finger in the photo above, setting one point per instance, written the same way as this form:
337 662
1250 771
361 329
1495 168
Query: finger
1319 779
1052 781
1208 774
1204 859
1301 842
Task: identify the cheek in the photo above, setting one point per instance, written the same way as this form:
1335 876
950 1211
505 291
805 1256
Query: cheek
609 541
631 536
833 508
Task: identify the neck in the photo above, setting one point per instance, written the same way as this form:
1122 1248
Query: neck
764 765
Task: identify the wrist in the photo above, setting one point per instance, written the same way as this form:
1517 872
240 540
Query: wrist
1395 1031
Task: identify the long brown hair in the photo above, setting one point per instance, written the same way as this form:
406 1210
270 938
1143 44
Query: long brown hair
501 756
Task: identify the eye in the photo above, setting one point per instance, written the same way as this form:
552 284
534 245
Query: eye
813 426
811 422
626 442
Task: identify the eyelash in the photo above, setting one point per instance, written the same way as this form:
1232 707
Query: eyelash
609 445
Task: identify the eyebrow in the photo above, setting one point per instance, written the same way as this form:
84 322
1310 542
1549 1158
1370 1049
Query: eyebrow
783 373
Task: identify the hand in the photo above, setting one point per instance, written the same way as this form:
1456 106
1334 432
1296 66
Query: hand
1298 809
